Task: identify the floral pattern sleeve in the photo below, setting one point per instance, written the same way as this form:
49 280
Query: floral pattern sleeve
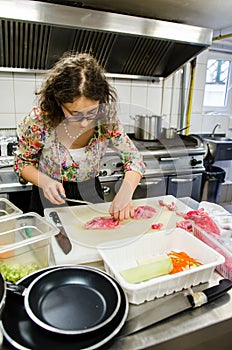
120 142
31 136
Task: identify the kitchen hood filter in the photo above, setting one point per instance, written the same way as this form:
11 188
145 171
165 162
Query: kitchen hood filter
35 41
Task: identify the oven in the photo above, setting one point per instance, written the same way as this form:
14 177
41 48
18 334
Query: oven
149 186
188 185
173 167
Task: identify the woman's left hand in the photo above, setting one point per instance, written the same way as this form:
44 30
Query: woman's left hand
121 209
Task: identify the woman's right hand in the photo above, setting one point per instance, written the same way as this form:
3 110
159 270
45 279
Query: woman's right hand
53 190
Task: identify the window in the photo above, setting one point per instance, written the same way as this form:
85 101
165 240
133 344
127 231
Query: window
218 80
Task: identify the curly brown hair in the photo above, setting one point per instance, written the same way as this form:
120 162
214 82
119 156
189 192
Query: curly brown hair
73 76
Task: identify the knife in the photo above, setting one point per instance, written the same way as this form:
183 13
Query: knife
174 305
62 237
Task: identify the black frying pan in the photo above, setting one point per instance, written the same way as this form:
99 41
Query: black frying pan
2 293
2 300
71 300
21 332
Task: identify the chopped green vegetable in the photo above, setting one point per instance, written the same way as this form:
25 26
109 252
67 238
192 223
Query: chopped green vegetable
15 272
159 266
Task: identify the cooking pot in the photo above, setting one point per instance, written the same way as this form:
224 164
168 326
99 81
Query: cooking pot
147 127
171 133
74 300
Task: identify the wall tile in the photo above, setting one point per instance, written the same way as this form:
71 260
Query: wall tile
207 122
197 101
138 95
175 102
155 83
7 102
126 82
124 92
25 97
165 108
196 124
39 79
154 97
203 57
224 124
19 117
168 82
6 75
200 77
124 114
7 121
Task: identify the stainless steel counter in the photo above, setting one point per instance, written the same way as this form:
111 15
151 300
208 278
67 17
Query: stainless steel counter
207 326
9 182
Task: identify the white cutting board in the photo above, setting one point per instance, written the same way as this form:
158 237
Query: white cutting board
84 241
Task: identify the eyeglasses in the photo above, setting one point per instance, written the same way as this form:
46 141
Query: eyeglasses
79 116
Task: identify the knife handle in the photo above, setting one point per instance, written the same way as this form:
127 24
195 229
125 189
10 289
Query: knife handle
54 215
199 298
62 237
216 291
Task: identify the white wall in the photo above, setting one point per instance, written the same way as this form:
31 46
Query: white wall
17 96
135 96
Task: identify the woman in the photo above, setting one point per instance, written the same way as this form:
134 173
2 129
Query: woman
62 141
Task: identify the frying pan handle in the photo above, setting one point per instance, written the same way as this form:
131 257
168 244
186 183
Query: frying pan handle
15 288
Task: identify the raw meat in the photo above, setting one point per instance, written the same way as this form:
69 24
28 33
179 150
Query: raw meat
185 225
203 220
108 222
102 223
157 226
144 212
171 207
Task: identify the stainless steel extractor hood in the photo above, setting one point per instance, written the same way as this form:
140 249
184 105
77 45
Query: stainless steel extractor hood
33 35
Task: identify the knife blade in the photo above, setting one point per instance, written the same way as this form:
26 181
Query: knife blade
62 237
174 305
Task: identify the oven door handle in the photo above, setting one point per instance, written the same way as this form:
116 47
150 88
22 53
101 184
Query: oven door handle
168 159
150 183
184 180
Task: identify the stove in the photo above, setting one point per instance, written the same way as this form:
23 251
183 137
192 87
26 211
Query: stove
182 154
8 145
7 161
173 166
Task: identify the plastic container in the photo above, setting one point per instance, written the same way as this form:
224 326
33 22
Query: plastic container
24 245
8 209
154 244
222 245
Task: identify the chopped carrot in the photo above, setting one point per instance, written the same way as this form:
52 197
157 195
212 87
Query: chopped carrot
182 261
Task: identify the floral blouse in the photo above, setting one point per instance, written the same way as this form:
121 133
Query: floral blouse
39 146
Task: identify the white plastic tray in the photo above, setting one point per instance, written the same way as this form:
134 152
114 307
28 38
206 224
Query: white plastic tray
158 243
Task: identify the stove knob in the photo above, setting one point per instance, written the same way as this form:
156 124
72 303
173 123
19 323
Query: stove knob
194 162
106 190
